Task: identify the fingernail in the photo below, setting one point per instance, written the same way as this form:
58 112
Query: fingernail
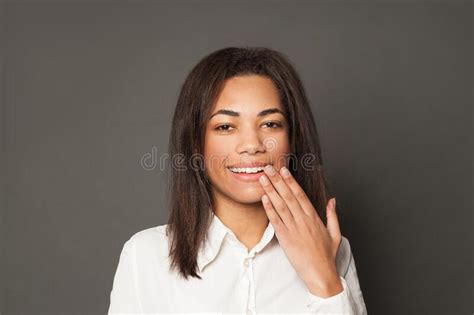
285 172
264 180
270 169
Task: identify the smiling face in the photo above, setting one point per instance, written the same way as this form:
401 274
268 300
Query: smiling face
247 128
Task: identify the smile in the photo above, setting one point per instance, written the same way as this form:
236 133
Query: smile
247 170
246 174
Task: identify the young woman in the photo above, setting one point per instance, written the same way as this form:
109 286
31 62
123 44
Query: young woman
252 227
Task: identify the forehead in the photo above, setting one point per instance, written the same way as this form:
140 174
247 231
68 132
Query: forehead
248 94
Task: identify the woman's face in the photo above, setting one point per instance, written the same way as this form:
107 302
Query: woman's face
247 129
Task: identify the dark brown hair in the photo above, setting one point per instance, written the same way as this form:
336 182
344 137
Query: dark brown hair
190 194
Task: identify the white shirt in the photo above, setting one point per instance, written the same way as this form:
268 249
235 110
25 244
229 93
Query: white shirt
234 280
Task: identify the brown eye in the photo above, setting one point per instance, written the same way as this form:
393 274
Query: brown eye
224 127
272 124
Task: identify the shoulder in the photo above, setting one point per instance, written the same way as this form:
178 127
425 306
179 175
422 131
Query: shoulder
153 232
343 256
150 240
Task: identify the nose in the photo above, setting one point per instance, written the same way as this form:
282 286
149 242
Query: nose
251 142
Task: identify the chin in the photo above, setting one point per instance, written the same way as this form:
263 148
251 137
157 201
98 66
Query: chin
249 197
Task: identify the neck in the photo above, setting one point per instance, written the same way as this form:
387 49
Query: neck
248 221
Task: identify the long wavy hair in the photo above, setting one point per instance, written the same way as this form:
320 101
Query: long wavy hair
190 198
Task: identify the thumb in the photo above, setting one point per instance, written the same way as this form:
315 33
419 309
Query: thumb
332 221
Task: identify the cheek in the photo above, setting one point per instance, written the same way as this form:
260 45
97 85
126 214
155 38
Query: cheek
277 145
280 152
216 152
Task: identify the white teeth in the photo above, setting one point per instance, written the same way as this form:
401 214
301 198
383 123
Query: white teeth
246 169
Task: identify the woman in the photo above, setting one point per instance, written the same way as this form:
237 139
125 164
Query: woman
252 228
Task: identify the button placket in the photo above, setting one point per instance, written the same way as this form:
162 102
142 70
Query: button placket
248 272
246 263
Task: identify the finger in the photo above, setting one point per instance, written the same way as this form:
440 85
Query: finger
299 194
277 203
285 193
273 216
332 221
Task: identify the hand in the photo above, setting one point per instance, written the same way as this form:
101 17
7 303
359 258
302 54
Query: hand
310 247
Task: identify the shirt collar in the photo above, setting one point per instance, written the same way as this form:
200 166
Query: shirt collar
216 234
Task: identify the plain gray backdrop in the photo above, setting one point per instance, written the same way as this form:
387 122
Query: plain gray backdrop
89 89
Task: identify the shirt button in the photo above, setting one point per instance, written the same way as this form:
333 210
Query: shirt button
246 263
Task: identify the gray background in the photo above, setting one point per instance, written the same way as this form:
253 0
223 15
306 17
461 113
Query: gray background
88 89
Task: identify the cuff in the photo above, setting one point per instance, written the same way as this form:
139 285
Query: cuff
338 304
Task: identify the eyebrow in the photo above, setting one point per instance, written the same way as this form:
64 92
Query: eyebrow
237 114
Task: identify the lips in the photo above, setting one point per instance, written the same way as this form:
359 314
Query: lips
246 177
249 165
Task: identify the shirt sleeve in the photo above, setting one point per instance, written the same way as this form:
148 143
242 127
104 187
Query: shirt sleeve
124 297
353 285
349 301
341 303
